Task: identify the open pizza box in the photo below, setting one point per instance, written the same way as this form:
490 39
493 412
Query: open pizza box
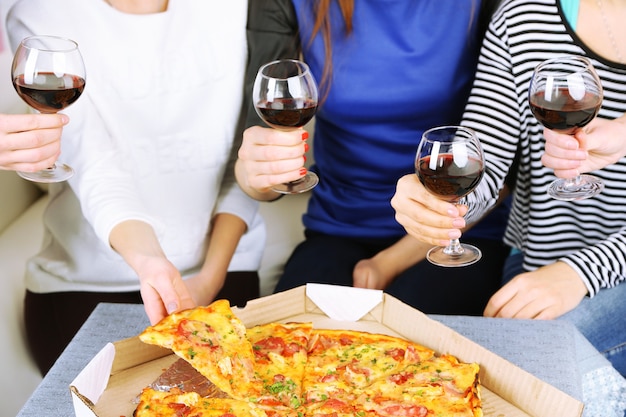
110 383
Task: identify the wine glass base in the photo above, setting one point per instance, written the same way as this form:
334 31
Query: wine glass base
470 255
585 186
57 173
301 185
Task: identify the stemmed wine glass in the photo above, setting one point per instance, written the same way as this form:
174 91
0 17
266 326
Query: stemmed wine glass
450 164
565 94
48 74
285 97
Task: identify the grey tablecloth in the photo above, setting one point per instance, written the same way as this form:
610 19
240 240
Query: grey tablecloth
551 350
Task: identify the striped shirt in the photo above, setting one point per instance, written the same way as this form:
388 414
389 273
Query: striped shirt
589 235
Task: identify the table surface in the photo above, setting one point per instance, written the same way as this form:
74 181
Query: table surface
543 348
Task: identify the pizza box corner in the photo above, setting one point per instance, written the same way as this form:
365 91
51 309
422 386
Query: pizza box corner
109 385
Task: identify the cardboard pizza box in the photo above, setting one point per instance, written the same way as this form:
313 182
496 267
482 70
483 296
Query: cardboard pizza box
109 385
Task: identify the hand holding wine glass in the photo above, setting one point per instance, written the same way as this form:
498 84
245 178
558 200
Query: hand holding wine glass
285 97
450 164
49 75
566 94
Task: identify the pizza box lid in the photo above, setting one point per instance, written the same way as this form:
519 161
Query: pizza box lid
110 383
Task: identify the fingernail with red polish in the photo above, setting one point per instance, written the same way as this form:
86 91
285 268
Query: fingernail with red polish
306 147
303 171
305 135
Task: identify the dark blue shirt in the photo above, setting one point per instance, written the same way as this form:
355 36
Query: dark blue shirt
407 66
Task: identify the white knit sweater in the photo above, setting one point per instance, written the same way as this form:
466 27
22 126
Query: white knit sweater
150 139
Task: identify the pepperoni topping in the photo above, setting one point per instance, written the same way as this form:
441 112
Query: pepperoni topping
198 333
400 378
181 410
396 353
263 347
406 410
336 404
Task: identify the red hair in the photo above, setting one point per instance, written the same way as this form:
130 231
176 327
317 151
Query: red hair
321 14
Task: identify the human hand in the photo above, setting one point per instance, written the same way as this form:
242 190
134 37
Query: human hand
369 274
424 216
268 157
203 289
597 145
162 288
546 293
30 142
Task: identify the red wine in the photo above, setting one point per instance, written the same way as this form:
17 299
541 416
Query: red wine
563 112
448 180
287 112
50 93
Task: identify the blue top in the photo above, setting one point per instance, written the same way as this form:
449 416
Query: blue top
403 70
570 10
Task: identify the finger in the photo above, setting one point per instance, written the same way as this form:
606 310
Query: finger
412 198
559 162
25 122
264 181
560 140
263 136
564 155
497 301
424 216
30 160
153 305
530 307
562 168
30 167
31 140
432 235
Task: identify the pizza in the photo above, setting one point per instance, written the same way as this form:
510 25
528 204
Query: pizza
280 352
296 370
176 403
214 342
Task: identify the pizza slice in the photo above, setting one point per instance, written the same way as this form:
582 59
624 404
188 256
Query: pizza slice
280 352
213 340
436 386
354 359
176 403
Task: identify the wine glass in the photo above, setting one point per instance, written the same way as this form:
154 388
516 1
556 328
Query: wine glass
48 74
565 94
450 164
285 97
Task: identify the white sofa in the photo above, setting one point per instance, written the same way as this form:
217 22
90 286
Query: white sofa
21 206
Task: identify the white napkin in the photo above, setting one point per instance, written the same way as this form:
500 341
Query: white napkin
343 303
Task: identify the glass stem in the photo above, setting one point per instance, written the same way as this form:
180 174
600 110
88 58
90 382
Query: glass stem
572 182
454 248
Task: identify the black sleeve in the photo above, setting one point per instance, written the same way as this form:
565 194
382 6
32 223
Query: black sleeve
272 34
487 8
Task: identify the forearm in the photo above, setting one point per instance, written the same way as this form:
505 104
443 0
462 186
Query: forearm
226 232
137 242
382 269
600 266
402 255
162 288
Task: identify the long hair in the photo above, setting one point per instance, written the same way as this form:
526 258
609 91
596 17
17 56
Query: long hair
321 15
